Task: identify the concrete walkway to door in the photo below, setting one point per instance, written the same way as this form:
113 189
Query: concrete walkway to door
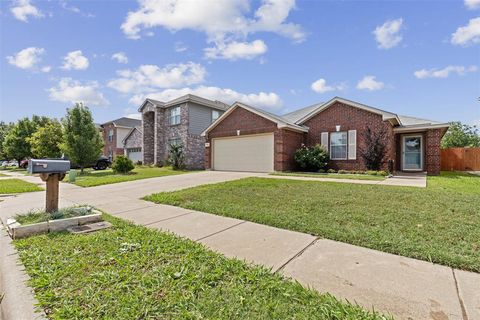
404 287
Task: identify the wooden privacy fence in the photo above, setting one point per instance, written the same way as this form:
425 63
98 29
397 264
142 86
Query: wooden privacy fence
460 159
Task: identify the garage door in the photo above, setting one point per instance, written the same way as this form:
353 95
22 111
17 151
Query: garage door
135 154
249 153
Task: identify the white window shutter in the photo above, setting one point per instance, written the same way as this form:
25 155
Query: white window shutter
324 140
352 144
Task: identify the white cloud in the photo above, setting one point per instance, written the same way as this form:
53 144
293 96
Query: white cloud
22 9
472 4
321 86
370 83
445 72
224 17
180 47
74 9
120 57
69 90
75 60
150 77
28 59
266 100
388 34
236 50
467 35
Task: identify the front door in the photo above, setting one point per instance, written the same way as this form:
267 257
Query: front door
412 153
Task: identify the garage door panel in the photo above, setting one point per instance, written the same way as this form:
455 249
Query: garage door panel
250 153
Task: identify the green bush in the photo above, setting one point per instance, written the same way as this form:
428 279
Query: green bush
177 157
372 172
342 171
331 171
311 158
383 173
122 165
321 171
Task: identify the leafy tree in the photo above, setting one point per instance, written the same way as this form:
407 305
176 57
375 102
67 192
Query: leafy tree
4 128
375 149
177 157
311 158
45 142
122 164
461 135
16 145
82 142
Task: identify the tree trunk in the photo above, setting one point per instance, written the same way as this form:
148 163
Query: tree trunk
81 170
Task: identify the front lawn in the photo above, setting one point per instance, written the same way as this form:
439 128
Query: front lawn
132 272
8 186
330 175
91 178
440 223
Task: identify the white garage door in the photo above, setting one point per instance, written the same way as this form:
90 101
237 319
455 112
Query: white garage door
249 153
135 154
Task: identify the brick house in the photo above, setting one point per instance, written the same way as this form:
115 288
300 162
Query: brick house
179 121
114 132
248 139
132 145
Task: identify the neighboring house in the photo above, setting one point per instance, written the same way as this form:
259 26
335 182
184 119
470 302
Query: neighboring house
132 145
114 132
248 139
179 121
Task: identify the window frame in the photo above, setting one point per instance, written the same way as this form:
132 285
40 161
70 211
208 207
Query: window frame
174 116
110 135
217 113
338 145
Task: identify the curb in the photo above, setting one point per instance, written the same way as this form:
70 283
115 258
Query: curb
18 301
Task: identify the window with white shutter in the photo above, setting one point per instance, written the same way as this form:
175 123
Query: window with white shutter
352 144
324 140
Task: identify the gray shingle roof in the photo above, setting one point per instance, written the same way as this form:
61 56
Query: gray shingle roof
125 122
298 114
413 121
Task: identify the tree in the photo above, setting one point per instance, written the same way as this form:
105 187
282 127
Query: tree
81 140
461 135
375 148
45 142
16 145
4 128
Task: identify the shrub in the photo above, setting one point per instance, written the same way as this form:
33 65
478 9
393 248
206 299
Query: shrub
122 165
311 158
177 158
383 173
375 148
372 172
331 171
139 163
342 171
321 171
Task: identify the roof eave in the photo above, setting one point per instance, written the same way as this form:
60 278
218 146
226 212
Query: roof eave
422 127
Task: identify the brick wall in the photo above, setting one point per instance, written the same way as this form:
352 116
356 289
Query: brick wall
349 118
433 137
111 145
286 143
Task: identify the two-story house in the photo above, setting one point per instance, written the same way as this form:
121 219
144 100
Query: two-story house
179 121
114 132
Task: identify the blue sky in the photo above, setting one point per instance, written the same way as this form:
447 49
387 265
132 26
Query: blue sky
414 58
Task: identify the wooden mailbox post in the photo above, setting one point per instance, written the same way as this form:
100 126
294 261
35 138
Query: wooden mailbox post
52 172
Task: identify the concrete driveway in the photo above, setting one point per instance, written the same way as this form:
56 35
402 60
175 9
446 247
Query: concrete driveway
404 287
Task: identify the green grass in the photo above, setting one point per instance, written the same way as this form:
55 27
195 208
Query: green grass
91 178
13 169
440 223
8 186
330 175
132 272
42 216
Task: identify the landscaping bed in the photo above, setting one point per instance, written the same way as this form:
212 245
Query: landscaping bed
331 175
132 272
9 186
91 178
440 223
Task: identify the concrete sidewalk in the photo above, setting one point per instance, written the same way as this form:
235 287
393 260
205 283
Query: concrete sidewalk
404 287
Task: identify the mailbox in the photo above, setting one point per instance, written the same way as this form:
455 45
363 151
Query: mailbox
48 166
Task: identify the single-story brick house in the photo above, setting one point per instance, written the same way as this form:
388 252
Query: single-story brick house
245 138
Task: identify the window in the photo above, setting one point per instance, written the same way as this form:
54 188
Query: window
175 116
110 135
215 115
338 145
134 149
